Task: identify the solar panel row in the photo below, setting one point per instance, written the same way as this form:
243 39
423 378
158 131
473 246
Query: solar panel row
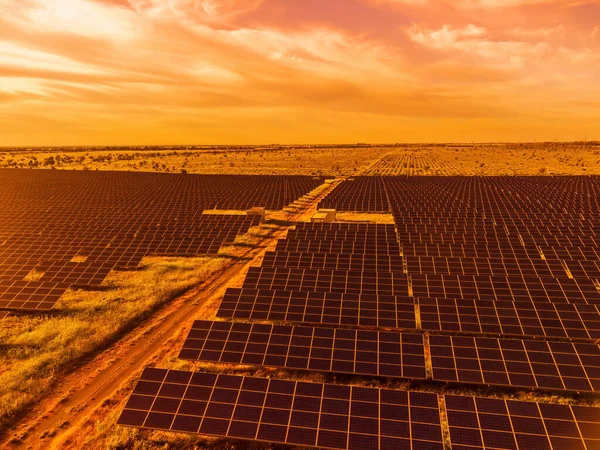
534 318
313 280
512 288
338 246
506 266
366 310
296 347
334 261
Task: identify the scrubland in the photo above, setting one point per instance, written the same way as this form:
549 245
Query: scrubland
296 161
548 158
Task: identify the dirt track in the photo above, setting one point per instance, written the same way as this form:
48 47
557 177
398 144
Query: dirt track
87 387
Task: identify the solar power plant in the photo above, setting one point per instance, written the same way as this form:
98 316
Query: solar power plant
288 412
329 308
71 228
502 272
512 362
484 423
521 318
350 351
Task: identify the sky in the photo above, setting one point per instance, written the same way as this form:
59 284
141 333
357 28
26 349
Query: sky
154 72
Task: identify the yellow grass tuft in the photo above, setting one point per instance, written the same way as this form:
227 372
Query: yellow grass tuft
364 217
34 275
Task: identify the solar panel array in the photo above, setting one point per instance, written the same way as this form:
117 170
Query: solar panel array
499 268
505 255
359 194
71 228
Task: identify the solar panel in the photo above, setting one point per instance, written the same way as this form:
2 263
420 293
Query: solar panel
512 362
478 423
372 353
286 412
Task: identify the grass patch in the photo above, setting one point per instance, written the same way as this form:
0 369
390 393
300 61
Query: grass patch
34 350
364 217
234 212
34 275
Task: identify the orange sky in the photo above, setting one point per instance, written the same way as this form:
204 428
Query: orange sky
85 72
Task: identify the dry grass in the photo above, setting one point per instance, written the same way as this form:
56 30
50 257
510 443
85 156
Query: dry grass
34 275
230 212
34 350
364 217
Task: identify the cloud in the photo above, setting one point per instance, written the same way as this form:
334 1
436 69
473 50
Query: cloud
201 10
558 32
70 17
472 41
446 37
